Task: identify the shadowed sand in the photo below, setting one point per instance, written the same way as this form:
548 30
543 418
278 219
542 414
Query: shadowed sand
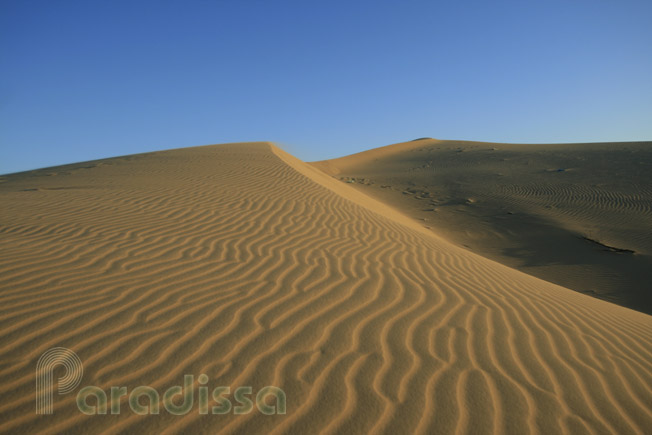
246 264
578 215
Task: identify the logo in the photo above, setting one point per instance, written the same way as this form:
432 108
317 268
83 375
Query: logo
143 400
57 356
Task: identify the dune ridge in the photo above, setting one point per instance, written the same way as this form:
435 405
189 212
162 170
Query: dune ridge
243 263
572 214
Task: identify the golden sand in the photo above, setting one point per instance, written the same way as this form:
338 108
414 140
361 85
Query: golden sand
245 264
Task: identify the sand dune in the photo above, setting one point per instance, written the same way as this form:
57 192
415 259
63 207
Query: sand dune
245 264
574 214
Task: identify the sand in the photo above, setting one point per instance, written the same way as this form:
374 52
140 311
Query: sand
245 264
578 215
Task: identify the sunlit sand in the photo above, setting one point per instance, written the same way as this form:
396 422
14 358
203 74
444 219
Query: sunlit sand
369 306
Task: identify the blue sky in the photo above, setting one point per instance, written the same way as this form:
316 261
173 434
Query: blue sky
81 80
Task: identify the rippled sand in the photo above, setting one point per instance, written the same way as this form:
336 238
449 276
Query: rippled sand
245 264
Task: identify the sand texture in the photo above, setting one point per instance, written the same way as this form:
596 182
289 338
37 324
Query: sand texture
578 215
243 263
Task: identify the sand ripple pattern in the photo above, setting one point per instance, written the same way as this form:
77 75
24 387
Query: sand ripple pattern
582 206
235 262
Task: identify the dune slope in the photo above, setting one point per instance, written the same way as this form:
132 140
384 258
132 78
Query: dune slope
578 215
242 263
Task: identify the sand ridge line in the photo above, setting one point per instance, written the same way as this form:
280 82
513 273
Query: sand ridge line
257 270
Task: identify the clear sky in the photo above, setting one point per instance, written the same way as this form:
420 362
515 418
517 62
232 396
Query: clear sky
88 79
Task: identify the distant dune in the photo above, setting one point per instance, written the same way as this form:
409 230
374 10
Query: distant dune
578 215
243 263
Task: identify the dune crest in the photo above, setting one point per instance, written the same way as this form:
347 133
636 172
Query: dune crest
243 263
572 214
